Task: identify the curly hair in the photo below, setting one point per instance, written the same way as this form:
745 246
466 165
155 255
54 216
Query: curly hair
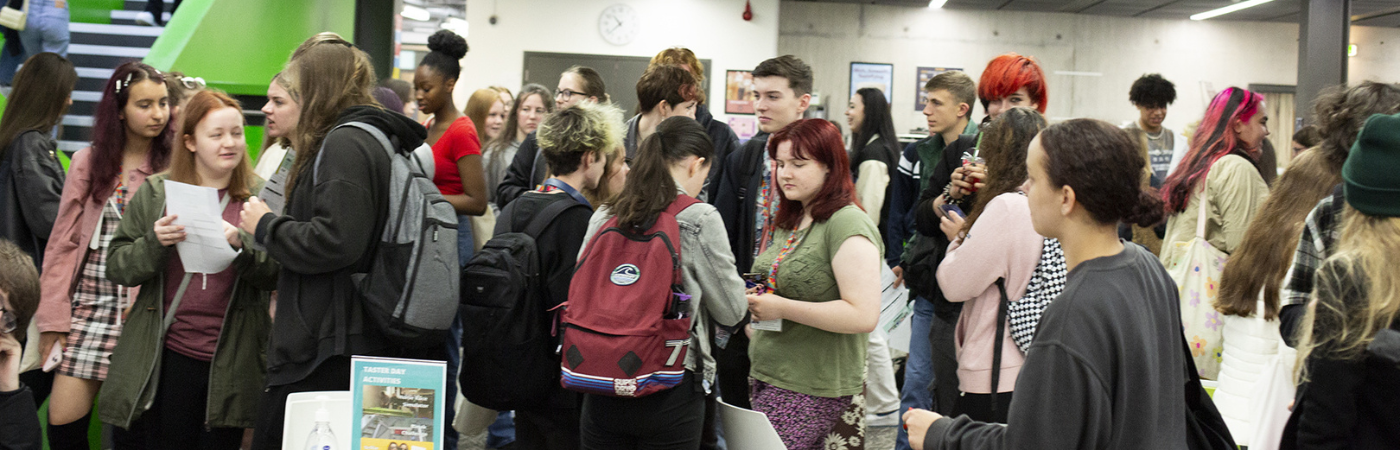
570 134
1152 91
1005 143
1340 111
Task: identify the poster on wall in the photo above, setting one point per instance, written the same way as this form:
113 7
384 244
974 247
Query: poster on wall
744 127
925 74
398 403
738 92
874 75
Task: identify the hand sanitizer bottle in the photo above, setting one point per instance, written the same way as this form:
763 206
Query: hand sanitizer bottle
321 437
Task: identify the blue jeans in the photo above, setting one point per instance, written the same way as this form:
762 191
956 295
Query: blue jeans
501 432
454 341
46 29
918 369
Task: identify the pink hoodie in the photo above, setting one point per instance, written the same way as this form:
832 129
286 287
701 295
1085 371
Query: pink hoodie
1001 244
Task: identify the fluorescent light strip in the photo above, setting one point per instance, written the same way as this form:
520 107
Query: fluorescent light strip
936 3
1228 9
415 13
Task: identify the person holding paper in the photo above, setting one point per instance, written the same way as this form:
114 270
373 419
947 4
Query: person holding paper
201 336
996 244
80 310
822 270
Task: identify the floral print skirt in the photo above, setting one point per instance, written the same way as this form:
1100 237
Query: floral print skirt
808 422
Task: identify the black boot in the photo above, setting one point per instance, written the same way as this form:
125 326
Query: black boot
70 436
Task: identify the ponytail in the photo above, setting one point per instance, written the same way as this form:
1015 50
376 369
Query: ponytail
650 189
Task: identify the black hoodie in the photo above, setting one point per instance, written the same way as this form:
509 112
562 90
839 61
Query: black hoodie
328 232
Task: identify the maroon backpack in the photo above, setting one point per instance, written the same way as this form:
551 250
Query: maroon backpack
626 324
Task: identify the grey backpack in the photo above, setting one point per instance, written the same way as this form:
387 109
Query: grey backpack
411 288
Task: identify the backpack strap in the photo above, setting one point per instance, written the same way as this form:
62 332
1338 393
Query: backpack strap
682 202
546 216
387 143
999 343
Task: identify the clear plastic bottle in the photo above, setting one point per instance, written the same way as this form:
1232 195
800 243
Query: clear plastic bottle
321 437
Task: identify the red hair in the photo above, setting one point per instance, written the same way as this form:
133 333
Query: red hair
1213 139
1008 73
815 140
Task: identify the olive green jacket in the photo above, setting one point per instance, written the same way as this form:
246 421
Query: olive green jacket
236 374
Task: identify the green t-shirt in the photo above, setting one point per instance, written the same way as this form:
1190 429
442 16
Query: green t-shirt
801 358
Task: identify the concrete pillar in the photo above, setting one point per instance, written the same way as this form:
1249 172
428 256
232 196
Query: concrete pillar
374 32
1324 33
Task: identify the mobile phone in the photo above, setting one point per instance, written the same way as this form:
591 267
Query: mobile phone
55 357
952 209
755 280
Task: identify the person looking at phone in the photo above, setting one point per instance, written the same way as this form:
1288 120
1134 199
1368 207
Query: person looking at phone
993 254
19 297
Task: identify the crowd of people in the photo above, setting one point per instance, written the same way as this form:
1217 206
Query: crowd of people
1070 283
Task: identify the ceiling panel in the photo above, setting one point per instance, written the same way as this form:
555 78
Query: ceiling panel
1276 11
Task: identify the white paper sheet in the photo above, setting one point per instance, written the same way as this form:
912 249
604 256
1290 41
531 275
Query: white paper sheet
204 250
895 311
748 430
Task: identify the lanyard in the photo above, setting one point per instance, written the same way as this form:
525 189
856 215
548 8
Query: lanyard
794 239
560 185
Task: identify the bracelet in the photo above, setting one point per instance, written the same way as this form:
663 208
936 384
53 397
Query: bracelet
948 197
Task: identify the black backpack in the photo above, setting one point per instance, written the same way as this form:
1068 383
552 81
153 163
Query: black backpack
509 353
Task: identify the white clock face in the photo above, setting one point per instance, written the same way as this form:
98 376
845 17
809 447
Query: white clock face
618 24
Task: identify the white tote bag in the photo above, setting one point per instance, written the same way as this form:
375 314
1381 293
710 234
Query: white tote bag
1196 266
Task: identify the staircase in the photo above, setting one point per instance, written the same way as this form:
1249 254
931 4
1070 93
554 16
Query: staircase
97 49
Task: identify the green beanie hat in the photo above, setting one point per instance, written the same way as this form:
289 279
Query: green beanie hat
1371 175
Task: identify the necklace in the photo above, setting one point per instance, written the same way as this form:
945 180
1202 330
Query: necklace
794 239
1158 136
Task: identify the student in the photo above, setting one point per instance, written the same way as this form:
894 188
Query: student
19 297
1340 113
487 111
947 110
527 170
782 92
1347 351
525 116
1305 138
723 137
456 147
182 88
1107 358
311 342
673 160
199 389
506 96
32 182
281 111
575 143
1151 94
664 91
991 259
1219 169
615 170
80 307
822 271
874 148
404 90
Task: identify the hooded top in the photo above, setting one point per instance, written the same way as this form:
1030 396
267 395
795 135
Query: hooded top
332 220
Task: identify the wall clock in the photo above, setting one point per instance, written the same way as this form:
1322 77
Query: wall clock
618 24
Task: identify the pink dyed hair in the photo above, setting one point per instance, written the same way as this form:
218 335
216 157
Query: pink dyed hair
1212 141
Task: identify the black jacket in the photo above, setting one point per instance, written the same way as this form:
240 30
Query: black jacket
926 221
19 420
877 150
722 138
328 233
738 188
526 171
31 184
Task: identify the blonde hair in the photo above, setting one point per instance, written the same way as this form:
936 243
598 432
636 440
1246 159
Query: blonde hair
1355 295
478 107
569 135
329 78
603 192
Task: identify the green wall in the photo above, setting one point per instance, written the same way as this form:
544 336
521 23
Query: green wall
238 45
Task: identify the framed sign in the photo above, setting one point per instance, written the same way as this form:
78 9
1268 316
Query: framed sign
738 92
744 127
925 74
875 75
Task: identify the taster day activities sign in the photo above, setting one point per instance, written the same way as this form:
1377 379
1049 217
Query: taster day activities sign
398 403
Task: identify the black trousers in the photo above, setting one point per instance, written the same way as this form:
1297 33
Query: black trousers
332 375
945 363
672 419
176 420
547 429
732 365
979 407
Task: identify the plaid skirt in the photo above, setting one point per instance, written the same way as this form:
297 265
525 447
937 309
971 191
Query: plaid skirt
97 305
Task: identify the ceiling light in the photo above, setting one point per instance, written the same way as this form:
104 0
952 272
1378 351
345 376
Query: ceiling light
936 3
1228 9
457 25
415 13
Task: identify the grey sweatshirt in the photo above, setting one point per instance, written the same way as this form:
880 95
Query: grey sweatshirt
1105 371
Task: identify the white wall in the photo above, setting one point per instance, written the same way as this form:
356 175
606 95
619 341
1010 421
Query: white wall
713 29
1199 57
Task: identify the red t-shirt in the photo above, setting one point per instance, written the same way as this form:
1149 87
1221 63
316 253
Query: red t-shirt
459 141
198 322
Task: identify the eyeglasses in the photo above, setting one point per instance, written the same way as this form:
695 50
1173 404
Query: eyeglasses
565 93
193 82
8 321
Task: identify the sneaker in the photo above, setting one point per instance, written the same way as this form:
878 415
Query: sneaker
145 18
